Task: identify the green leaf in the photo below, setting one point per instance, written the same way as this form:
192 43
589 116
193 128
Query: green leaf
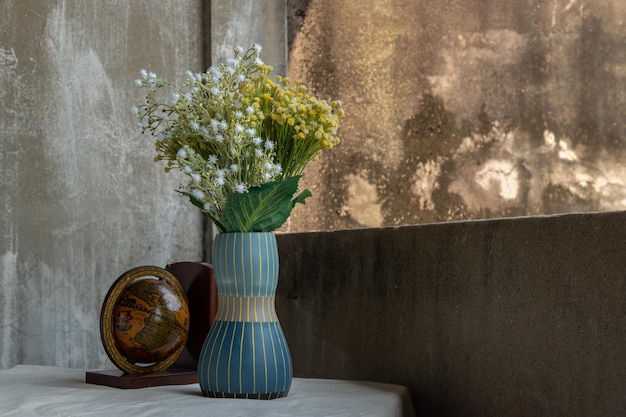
264 208
301 197
193 199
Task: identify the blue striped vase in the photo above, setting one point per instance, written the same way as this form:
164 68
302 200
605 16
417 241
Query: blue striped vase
245 354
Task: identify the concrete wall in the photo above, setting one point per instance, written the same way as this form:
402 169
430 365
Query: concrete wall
82 201
510 317
244 22
463 109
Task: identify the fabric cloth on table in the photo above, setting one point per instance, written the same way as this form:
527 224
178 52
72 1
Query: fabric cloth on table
50 392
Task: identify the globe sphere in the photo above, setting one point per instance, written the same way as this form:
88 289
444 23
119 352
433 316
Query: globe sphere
150 321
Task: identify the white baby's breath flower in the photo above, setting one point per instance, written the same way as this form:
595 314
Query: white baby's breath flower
197 193
134 110
216 128
216 74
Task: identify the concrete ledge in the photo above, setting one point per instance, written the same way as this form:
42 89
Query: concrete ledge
508 317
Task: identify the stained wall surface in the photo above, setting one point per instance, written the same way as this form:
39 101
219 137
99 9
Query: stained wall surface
82 201
462 109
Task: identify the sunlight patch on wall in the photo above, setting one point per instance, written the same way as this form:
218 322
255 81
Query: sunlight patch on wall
362 204
501 175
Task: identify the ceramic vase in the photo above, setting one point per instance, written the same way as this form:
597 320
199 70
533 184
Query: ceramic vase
245 354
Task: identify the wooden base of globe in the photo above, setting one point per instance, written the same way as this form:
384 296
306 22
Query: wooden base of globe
257 396
119 379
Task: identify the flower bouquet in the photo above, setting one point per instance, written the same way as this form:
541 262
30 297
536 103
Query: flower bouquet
241 138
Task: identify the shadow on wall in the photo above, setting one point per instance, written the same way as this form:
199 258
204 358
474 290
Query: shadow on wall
463 111
502 317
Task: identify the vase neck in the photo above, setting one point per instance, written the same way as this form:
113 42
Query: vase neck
246 264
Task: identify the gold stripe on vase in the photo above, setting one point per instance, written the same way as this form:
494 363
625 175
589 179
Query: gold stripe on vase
246 309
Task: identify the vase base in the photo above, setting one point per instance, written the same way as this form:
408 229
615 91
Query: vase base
250 396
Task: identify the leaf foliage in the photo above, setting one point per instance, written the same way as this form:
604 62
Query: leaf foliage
263 208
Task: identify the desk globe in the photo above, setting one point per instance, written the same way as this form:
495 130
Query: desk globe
144 322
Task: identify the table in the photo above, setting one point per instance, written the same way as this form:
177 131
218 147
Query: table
50 391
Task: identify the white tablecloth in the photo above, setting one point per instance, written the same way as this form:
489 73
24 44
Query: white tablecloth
50 392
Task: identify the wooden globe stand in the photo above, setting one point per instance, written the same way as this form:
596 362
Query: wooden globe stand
193 279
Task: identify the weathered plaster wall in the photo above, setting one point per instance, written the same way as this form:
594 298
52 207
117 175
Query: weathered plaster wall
463 109
244 22
82 201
